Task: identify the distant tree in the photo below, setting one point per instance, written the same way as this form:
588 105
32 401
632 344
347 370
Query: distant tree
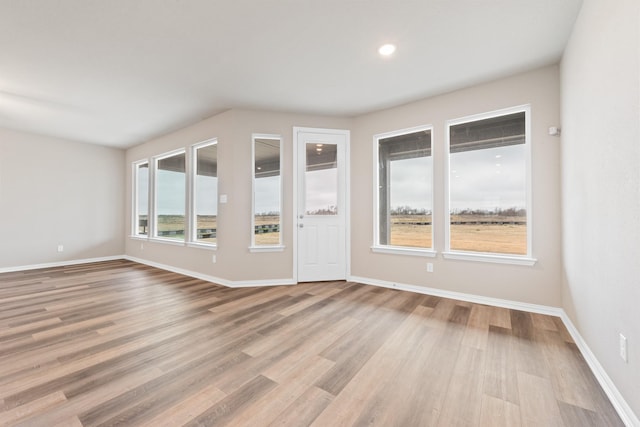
509 212
270 213
330 210
408 210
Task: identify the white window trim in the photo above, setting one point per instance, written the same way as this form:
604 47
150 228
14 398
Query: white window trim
192 223
490 256
404 250
252 246
167 241
209 246
265 248
389 249
134 200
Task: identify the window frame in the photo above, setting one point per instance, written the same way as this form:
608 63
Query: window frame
191 195
154 197
134 200
252 246
493 257
391 249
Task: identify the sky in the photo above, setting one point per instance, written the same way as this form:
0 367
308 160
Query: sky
321 188
488 179
411 183
267 194
171 196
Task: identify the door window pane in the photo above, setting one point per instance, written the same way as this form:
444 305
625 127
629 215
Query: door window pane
321 179
170 197
266 192
206 193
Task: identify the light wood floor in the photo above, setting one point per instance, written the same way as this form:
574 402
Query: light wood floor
119 343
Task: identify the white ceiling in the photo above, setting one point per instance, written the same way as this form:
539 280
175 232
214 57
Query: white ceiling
120 72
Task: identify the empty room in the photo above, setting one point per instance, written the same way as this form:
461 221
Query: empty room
330 213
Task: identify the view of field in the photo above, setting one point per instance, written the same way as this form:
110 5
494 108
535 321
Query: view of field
271 238
470 234
477 233
176 223
411 230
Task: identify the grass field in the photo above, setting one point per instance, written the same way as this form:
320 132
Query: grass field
497 238
272 238
177 223
406 230
469 235
411 230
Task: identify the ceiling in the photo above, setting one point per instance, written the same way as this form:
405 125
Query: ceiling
121 72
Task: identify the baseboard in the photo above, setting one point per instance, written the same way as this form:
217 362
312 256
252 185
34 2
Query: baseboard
496 302
213 279
619 403
629 418
59 264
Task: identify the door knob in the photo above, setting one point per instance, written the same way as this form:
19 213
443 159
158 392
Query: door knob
301 225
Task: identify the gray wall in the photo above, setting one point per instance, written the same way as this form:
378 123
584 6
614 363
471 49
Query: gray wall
601 185
55 192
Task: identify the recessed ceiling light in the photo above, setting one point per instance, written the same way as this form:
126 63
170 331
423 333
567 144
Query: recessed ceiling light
387 49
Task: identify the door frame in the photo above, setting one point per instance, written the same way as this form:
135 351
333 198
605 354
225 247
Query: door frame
297 130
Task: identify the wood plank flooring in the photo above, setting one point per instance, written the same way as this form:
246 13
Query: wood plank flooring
119 343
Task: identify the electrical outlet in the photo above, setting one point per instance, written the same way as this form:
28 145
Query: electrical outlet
60 248
623 348
213 259
430 267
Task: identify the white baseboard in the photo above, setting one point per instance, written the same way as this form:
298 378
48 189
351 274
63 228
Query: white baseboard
622 408
59 264
213 279
496 302
629 418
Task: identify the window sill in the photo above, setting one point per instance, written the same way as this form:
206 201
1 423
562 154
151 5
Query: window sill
274 248
493 258
167 241
210 246
399 250
138 237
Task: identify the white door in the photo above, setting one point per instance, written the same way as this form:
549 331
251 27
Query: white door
322 209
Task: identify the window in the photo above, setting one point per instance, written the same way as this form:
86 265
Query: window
404 189
267 190
205 193
141 198
170 185
488 184
321 179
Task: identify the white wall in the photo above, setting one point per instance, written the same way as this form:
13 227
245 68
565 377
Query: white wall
539 284
600 77
55 192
